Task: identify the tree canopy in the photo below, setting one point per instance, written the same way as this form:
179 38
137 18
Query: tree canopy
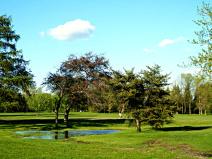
204 39
15 77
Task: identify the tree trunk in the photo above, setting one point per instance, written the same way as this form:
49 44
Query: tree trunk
189 107
200 110
56 116
185 108
66 114
57 107
138 125
182 109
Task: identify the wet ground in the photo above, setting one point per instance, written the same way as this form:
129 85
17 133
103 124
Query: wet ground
36 134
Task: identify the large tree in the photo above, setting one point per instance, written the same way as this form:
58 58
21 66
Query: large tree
75 77
88 72
15 78
158 108
143 96
204 39
129 90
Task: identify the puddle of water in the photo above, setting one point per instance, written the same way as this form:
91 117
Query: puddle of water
36 134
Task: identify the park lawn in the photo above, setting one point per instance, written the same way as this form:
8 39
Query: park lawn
187 136
48 115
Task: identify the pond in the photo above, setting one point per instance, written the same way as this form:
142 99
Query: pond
36 134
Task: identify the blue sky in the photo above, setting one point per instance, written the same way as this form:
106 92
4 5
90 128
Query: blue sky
130 33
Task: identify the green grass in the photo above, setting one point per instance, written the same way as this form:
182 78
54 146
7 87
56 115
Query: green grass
187 136
43 115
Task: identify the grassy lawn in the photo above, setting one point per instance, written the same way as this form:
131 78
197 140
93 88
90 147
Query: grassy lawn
25 116
187 136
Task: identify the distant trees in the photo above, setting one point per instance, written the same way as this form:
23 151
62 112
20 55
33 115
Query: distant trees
193 95
15 78
40 101
187 85
176 97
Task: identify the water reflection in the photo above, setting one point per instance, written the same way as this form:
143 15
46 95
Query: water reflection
36 134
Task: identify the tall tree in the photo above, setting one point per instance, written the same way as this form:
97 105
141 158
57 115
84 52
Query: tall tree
128 88
88 72
158 108
15 78
58 83
75 77
176 97
204 39
144 96
203 96
187 84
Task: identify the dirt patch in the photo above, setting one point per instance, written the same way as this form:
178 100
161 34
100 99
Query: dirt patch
185 148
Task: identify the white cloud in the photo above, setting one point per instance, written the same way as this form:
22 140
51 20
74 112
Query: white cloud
147 50
72 30
167 42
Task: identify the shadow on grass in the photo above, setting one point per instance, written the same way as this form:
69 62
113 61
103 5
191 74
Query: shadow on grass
184 128
48 124
207 154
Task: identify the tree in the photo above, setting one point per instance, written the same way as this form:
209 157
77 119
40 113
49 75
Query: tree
15 78
187 82
87 72
204 39
176 97
58 84
157 105
143 96
128 88
203 95
75 77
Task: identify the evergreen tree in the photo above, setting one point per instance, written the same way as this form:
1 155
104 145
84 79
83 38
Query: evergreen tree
157 104
15 78
129 90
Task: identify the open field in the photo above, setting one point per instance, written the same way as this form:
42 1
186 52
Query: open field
186 136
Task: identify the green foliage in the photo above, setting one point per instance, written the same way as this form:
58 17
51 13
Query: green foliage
187 86
193 96
129 90
158 107
144 96
203 97
41 102
14 76
77 80
204 39
177 98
